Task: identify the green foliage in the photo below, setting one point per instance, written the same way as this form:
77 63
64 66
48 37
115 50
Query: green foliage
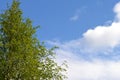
22 56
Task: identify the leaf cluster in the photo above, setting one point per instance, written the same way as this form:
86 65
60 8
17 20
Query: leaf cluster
22 56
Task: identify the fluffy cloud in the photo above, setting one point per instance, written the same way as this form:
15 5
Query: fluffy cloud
117 11
95 70
95 56
102 37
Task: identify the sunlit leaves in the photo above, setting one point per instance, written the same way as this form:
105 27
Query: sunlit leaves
22 56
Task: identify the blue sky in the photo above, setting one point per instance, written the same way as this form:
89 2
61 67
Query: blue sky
54 16
87 32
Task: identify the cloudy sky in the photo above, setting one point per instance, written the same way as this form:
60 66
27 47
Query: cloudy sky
86 31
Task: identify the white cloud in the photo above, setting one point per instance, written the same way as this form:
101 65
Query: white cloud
117 11
102 40
75 17
103 37
95 70
78 13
